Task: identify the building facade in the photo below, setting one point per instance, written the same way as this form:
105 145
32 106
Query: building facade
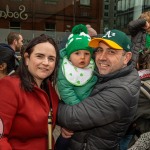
128 10
57 17
53 17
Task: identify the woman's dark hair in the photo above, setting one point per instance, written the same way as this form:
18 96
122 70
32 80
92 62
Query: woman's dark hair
27 80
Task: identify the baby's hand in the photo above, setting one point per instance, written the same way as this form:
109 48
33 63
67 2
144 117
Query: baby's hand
66 133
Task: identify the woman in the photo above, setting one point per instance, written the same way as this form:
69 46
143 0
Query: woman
27 98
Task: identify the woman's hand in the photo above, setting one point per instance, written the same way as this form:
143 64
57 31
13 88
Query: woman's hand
66 133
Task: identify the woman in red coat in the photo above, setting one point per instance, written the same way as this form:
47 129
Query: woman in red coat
27 98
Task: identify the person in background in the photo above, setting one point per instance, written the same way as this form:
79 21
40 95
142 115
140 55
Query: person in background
62 43
5 57
101 120
142 143
15 43
140 35
75 76
141 135
28 97
92 33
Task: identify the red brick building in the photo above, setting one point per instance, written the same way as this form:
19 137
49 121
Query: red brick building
53 17
57 15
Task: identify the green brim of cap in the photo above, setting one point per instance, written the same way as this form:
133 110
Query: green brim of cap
94 43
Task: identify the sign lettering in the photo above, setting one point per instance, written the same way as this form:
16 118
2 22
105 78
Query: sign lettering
20 14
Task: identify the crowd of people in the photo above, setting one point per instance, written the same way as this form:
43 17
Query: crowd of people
94 88
139 130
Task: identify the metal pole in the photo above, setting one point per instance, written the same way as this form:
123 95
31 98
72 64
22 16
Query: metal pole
74 12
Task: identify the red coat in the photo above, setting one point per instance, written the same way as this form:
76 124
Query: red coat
24 116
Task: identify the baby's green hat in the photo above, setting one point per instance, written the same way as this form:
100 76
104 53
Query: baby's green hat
78 40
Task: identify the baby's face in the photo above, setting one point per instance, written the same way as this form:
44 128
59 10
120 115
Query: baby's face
80 58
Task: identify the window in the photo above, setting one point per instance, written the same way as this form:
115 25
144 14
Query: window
132 3
122 21
50 1
106 14
14 26
49 26
123 6
106 7
127 4
138 3
147 2
85 14
85 2
17 0
50 29
114 22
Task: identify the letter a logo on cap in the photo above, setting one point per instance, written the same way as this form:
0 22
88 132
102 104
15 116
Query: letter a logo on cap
109 34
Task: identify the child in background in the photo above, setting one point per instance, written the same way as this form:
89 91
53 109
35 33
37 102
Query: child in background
75 75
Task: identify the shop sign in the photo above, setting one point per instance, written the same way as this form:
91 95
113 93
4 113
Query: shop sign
17 14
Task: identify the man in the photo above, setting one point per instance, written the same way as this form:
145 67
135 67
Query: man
100 121
5 56
15 43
